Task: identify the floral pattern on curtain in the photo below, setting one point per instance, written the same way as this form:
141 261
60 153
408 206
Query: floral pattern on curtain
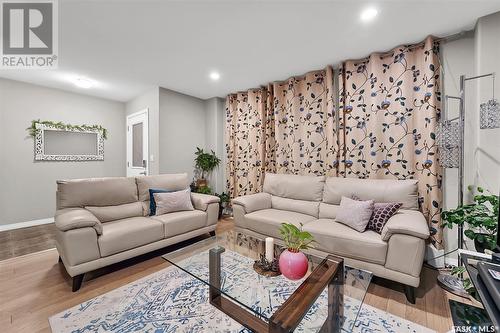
246 114
389 109
304 124
287 127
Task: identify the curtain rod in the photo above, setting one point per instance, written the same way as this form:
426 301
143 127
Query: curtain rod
445 39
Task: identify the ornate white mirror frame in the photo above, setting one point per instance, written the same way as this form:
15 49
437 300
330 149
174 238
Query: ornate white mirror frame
40 155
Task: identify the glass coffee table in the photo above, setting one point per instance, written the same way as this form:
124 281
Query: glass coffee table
327 299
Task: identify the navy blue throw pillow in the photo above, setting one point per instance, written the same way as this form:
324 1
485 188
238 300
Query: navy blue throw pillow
152 202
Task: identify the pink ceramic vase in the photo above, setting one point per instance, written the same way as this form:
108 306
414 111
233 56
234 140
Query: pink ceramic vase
293 265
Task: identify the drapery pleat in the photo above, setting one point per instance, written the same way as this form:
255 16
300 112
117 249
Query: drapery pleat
304 124
286 127
389 109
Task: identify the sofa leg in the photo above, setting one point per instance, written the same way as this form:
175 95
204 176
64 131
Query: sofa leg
212 233
77 282
410 293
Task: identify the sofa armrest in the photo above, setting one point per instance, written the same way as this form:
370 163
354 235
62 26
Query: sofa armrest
408 222
76 218
201 201
253 202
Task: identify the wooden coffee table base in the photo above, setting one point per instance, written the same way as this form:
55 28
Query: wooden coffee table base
330 272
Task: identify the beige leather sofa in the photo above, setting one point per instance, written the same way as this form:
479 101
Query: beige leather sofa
396 254
101 221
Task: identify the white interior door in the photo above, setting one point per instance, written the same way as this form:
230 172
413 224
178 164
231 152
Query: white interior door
137 144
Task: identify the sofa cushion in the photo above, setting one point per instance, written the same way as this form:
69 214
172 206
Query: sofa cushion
111 213
171 182
126 234
294 187
298 206
344 241
268 221
378 190
327 211
110 191
181 222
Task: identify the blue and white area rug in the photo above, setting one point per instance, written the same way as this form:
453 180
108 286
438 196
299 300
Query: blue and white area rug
172 301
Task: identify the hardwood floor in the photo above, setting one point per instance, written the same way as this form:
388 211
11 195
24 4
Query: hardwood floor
33 287
18 242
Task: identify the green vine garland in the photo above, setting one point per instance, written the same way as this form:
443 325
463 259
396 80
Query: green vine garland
67 127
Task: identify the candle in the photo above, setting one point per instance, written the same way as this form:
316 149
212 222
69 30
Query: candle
269 249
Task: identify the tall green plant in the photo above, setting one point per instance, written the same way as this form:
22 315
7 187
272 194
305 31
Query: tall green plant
295 239
480 218
206 162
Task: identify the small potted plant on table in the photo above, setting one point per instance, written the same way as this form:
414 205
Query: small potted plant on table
293 263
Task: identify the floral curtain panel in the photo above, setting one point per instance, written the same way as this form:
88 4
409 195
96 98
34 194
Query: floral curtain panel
287 127
304 124
246 114
389 109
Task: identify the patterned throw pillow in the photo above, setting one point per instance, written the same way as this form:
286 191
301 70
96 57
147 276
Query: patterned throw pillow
382 212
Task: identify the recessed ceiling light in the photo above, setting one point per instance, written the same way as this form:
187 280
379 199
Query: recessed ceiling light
83 83
214 76
368 14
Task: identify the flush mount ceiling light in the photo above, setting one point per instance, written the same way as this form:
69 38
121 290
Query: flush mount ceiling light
83 83
368 14
214 76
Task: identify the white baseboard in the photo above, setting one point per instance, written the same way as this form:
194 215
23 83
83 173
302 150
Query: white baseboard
26 224
430 256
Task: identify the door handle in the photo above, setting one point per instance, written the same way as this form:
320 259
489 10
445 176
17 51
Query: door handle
144 165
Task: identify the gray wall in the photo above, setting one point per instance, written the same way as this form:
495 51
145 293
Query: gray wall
214 138
28 188
475 55
149 100
458 59
182 129
487 55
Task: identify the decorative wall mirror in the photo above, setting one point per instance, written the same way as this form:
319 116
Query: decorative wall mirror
59 142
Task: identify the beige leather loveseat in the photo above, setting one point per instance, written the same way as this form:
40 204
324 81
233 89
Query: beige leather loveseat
101 221
396 254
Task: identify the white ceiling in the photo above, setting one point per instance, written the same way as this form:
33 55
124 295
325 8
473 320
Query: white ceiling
128 47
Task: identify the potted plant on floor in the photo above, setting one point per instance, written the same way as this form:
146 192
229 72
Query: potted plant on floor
206 163
203 189
293 263
479 218
224 200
